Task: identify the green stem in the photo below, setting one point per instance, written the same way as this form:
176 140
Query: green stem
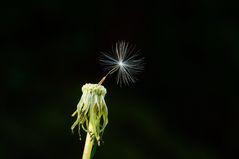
88 144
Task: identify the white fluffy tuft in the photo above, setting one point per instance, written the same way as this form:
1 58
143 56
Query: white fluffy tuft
123 60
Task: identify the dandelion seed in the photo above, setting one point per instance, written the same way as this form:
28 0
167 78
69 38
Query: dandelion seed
123 60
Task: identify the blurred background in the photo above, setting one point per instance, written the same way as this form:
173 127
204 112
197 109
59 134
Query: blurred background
184 105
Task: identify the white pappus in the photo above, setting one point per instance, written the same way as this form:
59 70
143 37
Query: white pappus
124 61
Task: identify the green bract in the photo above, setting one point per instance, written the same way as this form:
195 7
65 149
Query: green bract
92 112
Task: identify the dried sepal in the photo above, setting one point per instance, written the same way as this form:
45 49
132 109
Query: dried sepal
92 110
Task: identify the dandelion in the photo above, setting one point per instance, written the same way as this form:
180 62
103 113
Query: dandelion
92 115
125 61
92 112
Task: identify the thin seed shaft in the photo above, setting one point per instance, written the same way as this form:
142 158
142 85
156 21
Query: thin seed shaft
103 79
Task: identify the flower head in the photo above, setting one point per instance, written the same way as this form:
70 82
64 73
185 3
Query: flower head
92 112
123 60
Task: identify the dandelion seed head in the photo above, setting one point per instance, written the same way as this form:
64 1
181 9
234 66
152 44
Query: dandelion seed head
92 112
124 61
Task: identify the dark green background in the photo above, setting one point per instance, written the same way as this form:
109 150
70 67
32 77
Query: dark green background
184 106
